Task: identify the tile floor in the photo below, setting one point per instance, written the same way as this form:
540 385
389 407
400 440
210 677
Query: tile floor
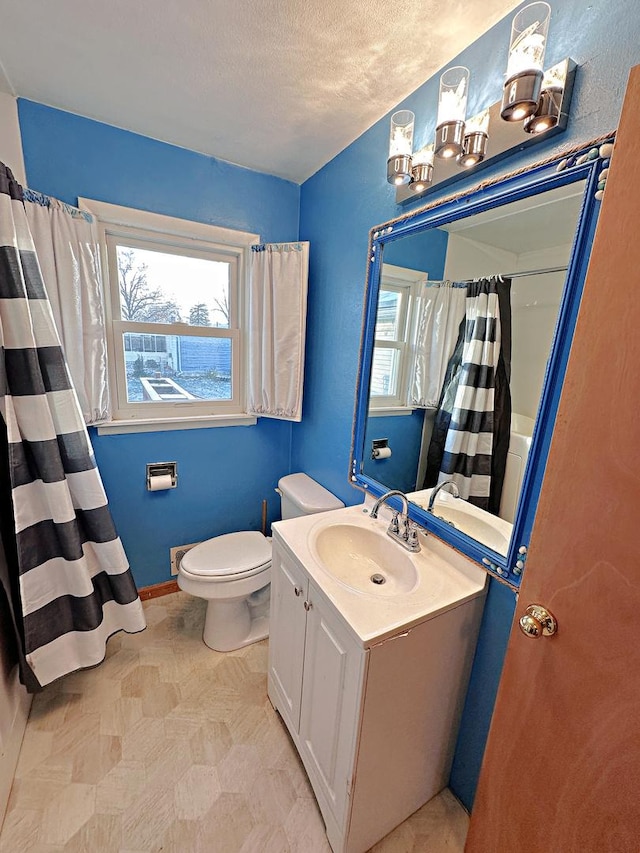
169 746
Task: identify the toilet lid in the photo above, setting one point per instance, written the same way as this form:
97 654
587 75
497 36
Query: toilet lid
230 554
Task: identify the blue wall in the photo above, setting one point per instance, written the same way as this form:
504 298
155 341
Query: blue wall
426 252
405 435
224 473
347 197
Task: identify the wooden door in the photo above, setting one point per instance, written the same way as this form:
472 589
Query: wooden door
562 768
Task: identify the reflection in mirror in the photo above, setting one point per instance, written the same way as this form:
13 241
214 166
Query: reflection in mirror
426 298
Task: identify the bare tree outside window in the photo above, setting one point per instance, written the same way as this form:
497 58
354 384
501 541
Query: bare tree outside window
138 302
221 306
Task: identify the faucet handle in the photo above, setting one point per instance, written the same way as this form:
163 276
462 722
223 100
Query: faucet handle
394 526
412 536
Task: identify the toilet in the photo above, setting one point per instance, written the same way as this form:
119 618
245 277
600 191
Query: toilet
232 572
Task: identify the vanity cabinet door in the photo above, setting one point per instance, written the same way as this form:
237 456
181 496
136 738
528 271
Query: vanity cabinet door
332 686
287 623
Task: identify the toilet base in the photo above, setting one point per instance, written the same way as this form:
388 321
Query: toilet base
230 625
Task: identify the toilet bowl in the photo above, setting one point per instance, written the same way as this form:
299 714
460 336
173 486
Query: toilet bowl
232 572
228 571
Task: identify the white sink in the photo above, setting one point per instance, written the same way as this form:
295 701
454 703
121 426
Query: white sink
478 528
365 560
341 549
488 529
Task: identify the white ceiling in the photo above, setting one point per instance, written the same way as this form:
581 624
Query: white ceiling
546 220
280 86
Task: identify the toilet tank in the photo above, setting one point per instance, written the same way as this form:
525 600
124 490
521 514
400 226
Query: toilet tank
300 495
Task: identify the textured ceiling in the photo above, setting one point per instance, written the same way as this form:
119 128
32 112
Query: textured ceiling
280 86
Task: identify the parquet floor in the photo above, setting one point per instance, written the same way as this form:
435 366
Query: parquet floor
169 746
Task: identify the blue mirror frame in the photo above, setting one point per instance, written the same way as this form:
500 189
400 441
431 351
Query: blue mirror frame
538 179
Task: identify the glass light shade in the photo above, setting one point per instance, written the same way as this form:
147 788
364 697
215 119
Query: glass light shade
478 123
401 134
400 147
422 168
522 87
547 114
452 110
529 30
424 156
454 90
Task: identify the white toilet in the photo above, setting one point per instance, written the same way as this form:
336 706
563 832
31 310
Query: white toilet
232 572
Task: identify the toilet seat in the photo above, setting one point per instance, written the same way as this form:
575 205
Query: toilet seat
228 557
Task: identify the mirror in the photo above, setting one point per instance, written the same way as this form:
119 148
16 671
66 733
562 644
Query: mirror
534 231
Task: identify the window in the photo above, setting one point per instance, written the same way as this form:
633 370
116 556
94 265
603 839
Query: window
175 316
391 366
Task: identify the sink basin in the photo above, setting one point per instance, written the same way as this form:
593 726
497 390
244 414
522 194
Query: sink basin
473 526
365 560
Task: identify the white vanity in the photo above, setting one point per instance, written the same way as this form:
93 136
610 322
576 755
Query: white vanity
370 652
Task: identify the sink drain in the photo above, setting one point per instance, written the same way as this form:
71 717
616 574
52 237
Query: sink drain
378 578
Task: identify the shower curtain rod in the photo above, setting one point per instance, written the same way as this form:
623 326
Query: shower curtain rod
533 272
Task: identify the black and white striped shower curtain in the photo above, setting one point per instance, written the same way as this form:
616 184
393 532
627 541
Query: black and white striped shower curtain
70 580
474 417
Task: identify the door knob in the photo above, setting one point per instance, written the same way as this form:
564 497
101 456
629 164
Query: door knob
538 622
297 591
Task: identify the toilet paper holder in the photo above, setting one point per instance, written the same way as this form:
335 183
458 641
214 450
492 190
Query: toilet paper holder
162 469
380 448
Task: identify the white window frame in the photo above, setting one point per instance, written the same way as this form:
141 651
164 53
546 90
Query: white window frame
156 231
407 282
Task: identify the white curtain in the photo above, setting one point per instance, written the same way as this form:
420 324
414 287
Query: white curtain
277 323
66 243
441 307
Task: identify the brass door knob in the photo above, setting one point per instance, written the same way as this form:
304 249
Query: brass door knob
538 622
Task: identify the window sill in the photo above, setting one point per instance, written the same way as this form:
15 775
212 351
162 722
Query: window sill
164 424
385 411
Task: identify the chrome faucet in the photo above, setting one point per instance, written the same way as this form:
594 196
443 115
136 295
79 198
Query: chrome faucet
452 488
408 535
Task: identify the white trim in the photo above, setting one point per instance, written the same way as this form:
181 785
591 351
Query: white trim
382 411
407 282
403 275
165 424
129 217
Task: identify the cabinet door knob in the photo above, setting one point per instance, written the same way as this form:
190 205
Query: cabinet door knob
307 606
297 590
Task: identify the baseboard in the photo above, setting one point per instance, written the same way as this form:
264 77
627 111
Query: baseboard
158 589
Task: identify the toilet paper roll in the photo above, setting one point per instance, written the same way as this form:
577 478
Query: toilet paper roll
382 453
160 482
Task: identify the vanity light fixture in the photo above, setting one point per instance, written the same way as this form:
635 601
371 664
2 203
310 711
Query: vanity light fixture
476 137
422 168
452 112
523 85
400 148
535 103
